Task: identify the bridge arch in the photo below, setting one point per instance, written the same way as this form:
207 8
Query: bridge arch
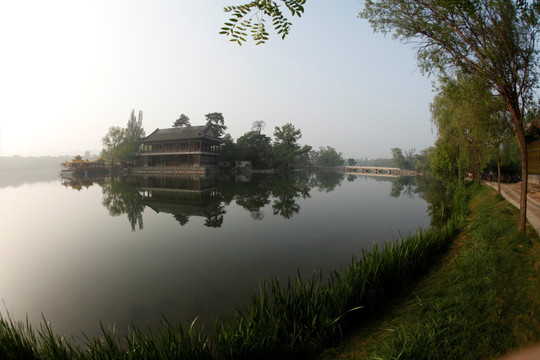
374 170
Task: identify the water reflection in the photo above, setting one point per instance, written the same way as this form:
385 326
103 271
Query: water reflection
428 189
121 196
287 190
327 181
78 183
183 197
253 197
405 186
18 178
212 239
193 195
188 196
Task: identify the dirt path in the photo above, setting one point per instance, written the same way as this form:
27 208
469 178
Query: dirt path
511 193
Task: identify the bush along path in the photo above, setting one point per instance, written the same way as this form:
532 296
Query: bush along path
482 302
295 319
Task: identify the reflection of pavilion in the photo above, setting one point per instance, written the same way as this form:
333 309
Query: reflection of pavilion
185 195
77 183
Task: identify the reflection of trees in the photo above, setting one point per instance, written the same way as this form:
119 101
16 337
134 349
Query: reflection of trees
215 217
327 181
286 206
438 198
230 186
121 197
255 202
429 189
185 198
253 196
181 218
405 185
286 190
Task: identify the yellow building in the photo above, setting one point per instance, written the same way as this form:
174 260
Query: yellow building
532 136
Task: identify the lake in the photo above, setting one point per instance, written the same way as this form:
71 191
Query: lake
132 250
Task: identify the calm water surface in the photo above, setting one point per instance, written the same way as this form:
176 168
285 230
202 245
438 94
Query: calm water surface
129 251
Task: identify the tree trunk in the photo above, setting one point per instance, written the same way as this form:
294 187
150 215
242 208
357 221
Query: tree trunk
520 134
477 165
512 105
498 171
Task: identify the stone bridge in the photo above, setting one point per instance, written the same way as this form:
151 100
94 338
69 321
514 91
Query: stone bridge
374 170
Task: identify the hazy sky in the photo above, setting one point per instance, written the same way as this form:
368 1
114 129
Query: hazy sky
71 69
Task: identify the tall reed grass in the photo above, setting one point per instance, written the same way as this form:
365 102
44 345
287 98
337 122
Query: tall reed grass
294 319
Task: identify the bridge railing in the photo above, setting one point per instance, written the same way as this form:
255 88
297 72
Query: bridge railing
378 170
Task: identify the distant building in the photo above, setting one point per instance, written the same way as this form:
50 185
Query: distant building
186 150
80 167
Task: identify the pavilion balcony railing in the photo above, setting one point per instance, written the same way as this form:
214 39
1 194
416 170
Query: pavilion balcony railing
177 151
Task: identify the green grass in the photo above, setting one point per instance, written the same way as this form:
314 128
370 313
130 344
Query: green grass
295 319
481 303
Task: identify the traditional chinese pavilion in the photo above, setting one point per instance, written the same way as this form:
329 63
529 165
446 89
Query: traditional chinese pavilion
80 167
189 150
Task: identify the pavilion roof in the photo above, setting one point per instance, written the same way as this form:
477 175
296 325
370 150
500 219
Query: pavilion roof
183 133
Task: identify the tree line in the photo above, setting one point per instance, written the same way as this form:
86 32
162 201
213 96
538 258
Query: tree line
120 145
283 151
453 164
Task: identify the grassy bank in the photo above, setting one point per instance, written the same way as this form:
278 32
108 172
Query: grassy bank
295 319
482 302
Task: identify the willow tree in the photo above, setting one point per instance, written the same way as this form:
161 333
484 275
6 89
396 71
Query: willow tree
493 39
472 119
498 132
113 145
